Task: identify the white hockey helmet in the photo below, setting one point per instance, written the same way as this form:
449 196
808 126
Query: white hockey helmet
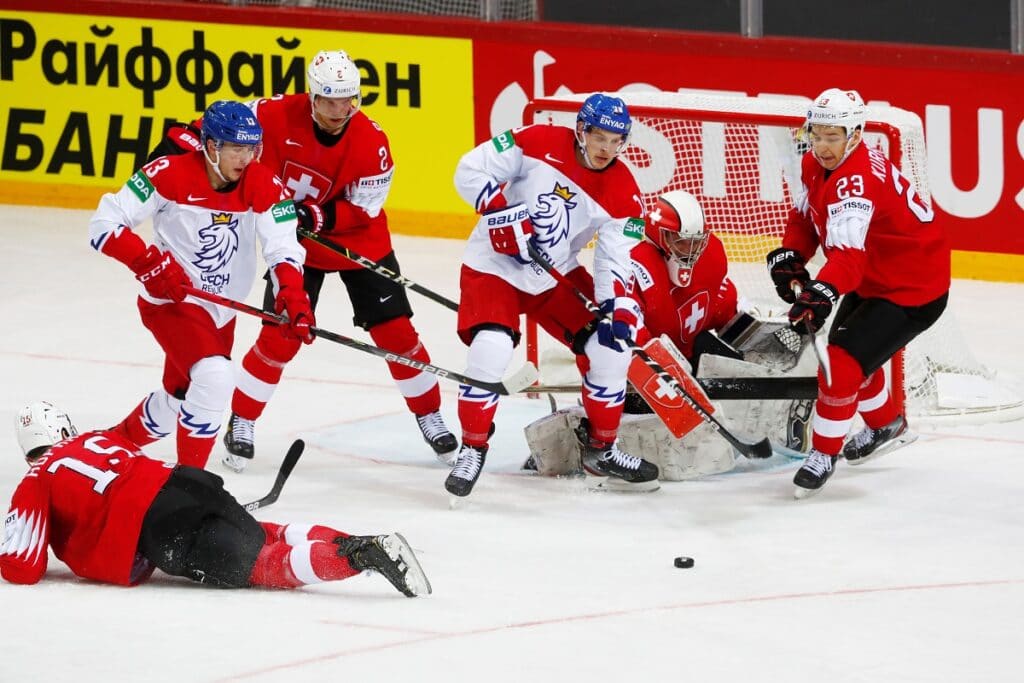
836 107
40 425
676 226
332 73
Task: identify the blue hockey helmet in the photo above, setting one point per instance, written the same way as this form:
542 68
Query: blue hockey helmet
230 121
605 112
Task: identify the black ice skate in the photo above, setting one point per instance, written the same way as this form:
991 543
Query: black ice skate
436 434
815 472
627 472
870 443
389 555
238 439
467 470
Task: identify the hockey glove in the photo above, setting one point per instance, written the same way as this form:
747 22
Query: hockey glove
622 318
161 275
812 307
510 230
787 266
293 301
311 216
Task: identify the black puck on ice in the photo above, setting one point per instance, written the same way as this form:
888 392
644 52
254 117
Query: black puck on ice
683 562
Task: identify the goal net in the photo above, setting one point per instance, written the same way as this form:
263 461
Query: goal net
740 156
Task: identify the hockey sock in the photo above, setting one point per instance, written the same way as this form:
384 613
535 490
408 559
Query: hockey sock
200 414
420 389
280 565
604 388
837 403
261 371
295 534
152 419
489 355
875 402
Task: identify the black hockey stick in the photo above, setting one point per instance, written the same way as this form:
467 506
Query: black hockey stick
760 449
521 379
377 268
287 465
727 388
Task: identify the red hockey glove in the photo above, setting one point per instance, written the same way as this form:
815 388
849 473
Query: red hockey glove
510 230
161 275
622 318
293 300
181 138
812 307
787 266
311 216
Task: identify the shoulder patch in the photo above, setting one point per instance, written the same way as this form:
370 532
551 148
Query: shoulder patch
643 276
504 142
140 185
283 211
634 228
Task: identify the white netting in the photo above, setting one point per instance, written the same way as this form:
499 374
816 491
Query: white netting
491 10
740 156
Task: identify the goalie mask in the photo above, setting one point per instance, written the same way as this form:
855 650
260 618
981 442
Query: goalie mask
676 226
41 425
842 109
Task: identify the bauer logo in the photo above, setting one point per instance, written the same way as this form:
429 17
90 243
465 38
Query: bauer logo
634 229
283 211
140 185
503 142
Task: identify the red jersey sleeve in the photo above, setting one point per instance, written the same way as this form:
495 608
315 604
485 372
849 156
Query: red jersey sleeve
23 556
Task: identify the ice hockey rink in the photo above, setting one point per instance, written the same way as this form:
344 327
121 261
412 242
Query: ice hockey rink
909 568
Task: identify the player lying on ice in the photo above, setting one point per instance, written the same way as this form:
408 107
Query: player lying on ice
113 515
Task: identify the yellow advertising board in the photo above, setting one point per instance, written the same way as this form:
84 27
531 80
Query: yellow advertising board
83 99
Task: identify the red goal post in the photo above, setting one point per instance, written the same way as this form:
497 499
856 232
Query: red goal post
740 156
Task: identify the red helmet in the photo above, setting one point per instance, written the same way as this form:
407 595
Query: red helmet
676 226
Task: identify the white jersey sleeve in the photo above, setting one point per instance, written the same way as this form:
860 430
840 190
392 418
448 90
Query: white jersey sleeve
276 231
485 169
136 201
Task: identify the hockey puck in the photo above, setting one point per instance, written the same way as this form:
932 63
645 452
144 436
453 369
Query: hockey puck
683 562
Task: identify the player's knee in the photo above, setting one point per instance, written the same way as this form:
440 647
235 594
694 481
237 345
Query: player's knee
396 335
490 352
847 373
604 364
275 345
213 379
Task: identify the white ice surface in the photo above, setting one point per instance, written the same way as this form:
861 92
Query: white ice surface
910 568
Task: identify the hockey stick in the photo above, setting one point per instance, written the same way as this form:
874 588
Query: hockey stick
760 449
818 342
287 465
726 388
377 268
519 380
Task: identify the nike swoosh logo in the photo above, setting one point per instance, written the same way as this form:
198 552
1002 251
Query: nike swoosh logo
289 141
385 298
553 159
195 199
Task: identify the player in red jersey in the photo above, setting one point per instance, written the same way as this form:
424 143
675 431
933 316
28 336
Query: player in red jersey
208 208
554 186
885 256
113 515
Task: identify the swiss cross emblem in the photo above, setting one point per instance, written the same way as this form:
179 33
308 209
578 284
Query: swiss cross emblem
659 390
692 313
305 183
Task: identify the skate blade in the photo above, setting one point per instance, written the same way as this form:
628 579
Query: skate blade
235 463
415 578
616 485
448 459
800 493
900 441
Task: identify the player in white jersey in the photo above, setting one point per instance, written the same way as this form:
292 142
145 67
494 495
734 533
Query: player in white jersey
208 207
555 187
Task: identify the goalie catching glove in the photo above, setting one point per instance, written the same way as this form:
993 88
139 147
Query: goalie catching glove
812 307
510 230
161 275
622 318
293 300
786 266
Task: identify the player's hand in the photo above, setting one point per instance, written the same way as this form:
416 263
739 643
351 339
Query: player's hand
510 230
619 326
161 275
293 300
311 216
787 266
812 307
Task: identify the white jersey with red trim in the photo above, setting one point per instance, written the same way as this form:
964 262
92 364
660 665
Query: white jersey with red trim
568 203
211 234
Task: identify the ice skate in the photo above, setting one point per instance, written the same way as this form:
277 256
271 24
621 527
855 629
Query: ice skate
467 470
436 434
870 443
238 439
815 472
625 472
391 556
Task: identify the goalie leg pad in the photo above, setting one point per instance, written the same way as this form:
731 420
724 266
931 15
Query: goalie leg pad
552 441
676 412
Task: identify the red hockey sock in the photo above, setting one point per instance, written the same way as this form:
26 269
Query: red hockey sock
261 371
837 403
419 388
874 401
138 427
194 449
275 532
300 533
280 565
476 414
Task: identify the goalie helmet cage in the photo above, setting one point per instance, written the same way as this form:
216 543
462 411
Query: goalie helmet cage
740 156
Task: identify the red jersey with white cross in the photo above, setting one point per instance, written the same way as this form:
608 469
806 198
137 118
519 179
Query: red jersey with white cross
354 171
707 301
86 498
879 238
